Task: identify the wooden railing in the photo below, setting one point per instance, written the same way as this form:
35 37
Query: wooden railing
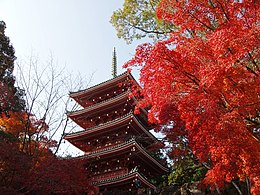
110 174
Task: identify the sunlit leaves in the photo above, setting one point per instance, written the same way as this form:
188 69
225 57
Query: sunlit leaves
16 123
137 19
209 69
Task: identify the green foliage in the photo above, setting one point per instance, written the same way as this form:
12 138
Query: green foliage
186 170
11 97
160 181
7 57
137 19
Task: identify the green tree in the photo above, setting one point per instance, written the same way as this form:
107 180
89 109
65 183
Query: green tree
137 19
187 170
11 97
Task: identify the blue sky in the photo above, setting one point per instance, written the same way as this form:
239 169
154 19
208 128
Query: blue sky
77 33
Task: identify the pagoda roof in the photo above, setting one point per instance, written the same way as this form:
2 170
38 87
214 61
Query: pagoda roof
120 148
94 107
112 81
118 122
126 178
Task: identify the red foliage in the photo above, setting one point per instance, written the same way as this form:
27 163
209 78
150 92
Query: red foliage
14 166
28 166
17 123
52 174
43 174
209 70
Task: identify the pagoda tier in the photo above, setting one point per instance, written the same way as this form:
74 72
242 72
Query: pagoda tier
107 110
87 140
105 90
116 142
133 151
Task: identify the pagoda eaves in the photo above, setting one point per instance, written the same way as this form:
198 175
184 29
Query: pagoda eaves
124 147
96 107
110 85
119 122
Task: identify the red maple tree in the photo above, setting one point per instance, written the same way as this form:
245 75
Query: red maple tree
58 175
27 164
205 81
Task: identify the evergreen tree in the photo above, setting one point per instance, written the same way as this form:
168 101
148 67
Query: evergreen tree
11 97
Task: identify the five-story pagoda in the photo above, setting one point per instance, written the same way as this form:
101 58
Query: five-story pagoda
116 142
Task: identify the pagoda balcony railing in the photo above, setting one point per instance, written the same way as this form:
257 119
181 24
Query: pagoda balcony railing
105 147
132 140
110 174
133 174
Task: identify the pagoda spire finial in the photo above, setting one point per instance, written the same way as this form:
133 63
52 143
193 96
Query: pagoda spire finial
114 64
